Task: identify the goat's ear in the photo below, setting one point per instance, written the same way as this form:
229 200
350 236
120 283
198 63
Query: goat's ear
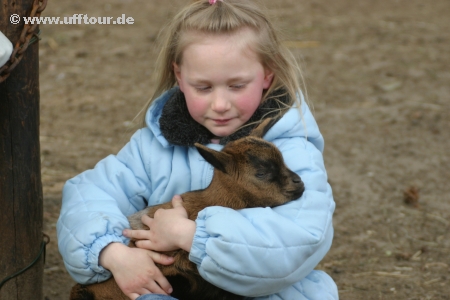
217 159
264 126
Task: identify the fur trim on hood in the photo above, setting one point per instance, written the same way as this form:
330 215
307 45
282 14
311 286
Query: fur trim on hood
179 128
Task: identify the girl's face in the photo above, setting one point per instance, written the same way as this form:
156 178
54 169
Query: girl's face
222 80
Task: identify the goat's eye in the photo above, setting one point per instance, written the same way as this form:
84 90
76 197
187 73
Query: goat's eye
261 175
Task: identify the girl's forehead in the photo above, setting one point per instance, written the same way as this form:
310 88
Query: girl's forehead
244 33
241 39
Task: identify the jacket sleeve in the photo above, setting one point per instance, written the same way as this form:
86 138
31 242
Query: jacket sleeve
260 251
94 208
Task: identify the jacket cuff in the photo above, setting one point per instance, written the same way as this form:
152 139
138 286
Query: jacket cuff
198 250
93 254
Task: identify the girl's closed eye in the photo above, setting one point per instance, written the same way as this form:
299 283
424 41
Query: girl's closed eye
202 88
237 86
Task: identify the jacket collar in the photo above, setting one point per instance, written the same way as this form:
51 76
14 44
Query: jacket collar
179 128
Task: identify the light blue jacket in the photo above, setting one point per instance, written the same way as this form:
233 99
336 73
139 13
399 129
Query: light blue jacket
252 252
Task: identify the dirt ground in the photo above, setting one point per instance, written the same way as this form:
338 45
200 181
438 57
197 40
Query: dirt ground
378 76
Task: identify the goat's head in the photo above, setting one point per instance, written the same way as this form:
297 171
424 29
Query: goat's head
255 170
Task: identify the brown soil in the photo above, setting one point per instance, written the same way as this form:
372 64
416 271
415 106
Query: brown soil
377 73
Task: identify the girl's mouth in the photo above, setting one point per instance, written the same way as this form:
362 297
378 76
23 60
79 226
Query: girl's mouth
221 121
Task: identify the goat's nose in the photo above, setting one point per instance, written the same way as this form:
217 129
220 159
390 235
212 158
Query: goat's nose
296 178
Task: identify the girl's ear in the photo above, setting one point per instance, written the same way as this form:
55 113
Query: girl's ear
268 78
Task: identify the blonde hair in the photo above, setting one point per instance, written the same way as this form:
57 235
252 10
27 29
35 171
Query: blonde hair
228 17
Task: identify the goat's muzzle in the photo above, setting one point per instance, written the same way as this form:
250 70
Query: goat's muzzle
298 187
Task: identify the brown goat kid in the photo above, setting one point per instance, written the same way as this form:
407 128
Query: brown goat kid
249 172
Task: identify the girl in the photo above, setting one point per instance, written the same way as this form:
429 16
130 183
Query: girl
222 70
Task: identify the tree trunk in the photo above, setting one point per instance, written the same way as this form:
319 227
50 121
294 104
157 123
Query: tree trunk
21 202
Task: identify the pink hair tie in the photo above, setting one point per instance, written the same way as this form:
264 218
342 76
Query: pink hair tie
213 1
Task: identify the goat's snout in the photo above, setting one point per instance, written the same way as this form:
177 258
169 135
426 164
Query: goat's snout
296 178
298 186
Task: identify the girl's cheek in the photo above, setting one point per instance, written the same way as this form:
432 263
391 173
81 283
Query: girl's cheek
250 101
196 107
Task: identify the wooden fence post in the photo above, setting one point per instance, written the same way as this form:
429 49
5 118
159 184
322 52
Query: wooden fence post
21 201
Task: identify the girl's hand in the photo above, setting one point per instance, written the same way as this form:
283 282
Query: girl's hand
170 229
135 271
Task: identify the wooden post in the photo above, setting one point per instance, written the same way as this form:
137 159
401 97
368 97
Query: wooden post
21 203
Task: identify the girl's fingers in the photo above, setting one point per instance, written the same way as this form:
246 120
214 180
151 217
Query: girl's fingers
159 284
177 201
136 234
133 296
146 220
163 286
144 244
155 287
144 291
161 258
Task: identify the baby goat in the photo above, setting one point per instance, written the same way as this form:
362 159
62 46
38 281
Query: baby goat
249 172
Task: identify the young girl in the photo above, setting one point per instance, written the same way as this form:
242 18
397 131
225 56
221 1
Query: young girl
222 70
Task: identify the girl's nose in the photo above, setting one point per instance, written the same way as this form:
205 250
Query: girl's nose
220 103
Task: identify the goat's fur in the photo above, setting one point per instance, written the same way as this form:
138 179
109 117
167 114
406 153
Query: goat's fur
249 172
